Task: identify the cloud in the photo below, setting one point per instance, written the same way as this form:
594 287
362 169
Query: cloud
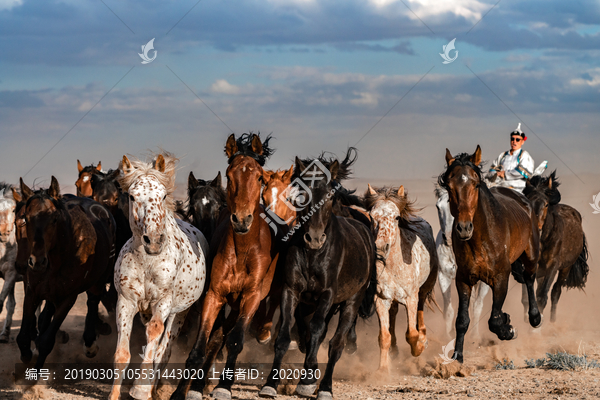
222 86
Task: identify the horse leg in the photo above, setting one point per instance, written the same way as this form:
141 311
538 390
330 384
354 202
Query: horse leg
289 303
499 322
348 315
530 261
188 388
91 318
544 287
46 340
10 277
525 302
351 345
482 291
556 291
462 319
126 310
28 322
446 288
382 306
394 352
10 309
412 334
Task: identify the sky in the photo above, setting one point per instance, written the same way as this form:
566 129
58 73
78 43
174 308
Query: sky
319 75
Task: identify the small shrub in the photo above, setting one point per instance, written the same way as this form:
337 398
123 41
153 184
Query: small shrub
562 361
506 364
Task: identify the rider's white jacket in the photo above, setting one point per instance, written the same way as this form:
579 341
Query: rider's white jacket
518 168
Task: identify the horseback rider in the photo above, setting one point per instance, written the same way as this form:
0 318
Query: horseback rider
513 167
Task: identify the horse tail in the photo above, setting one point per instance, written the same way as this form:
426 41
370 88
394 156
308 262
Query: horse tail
579 271
431 301
367 307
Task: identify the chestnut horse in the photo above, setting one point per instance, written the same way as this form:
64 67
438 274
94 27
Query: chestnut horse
407 268
84 180
69 250
245 257
276 184
563 244
495 231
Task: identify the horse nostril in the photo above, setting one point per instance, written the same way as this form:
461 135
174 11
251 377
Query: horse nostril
31 261
234 218
162 238
146 239
470 226
459 227
387 247
307 237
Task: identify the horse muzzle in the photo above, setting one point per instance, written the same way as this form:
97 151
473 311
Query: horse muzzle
314 240
153 244
241 225
464 230
37 264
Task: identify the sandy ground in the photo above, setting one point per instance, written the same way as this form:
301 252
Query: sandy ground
356 376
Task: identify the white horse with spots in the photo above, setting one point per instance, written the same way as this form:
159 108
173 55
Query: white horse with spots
407 267
161 270
8 257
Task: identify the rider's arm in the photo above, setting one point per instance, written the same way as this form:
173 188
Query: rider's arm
524 170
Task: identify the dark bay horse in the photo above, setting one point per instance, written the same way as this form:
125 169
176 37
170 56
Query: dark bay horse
84 179
495 232
329 267
562 241
69 250
245 255
206 201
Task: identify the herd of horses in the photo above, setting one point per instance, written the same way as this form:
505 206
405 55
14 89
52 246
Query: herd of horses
126 242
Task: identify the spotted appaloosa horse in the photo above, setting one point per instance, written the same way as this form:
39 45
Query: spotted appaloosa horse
563 244
206 202
447 269
84 180
161 270
8 257
406 270
69 249
243 269
495 231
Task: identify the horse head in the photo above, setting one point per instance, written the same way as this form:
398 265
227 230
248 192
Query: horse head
543 193
84 180
206 199
106 190
275 193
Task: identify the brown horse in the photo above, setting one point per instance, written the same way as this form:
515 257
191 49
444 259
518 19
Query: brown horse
563 245
245 257
275 184
84 180
493 229
69 250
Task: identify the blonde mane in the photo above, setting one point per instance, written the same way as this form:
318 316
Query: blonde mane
143 168
406 206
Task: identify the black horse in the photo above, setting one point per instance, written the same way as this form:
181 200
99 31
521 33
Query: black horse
206 201
562 242
329 267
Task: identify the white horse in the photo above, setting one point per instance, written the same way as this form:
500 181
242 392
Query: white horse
8 256
406 267
161 270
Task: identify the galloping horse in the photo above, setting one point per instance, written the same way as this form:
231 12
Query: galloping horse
245 258
276 183
8 257
160 272
84 180
563 244
69 250
406 271
493 229
330 267
206 201
447 269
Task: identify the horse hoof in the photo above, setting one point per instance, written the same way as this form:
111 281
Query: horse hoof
26 356
541 322
90 352
221 394
325 396
193 395
351 348
306 390
264 339
62 337
140 392
293 345
514 332
268 391
103 329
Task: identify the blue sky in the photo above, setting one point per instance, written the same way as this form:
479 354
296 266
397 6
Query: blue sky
317 74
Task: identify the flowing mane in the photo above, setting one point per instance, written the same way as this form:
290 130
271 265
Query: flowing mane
405 205
244 148
344 170
439 191
463 159
142 168
541 184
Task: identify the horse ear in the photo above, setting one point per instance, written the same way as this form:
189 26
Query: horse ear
267 175
79 166
192 181
126 166
550 183
231 146
401 191
99 166
54 189
25 191
299 165
257 145
288 174
217 181
372 191
476 157
16 195
159 164
334 168
449 158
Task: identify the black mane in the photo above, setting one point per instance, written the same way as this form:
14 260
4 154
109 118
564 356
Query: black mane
344 170
244 148
540 184
463 159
